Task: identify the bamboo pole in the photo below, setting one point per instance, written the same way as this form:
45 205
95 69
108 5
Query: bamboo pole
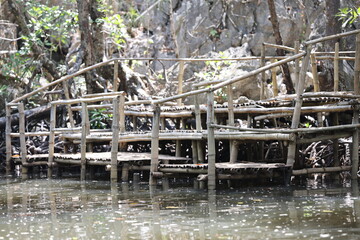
234 152
84 133
263 76
306 171
116 76
180 81
314 73
274 81
211 142
336 141
298 103
52 139
199 145
24 169
231 118
232 80
286 48
115 140
331 37
123 146
8 139
155 144
336 68
329 53
357 66
297 62
355 146
68 107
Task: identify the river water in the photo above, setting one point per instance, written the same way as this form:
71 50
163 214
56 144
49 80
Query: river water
67 209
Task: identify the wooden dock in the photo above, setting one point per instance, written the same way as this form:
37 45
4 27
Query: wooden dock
236 140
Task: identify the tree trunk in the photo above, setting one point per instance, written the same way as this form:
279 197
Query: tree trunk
87 44
280 52
39 53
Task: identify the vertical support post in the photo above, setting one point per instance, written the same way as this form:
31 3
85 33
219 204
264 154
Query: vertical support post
115 140
84 133
355 145
8 139
234 152
180 80
211 141
116 76
297 62
336 68
298 103
51 139
155 144
231 118
122 128
198 128
134 121
274 80
336 141
314 73
24 169
263 76
357 66
68 106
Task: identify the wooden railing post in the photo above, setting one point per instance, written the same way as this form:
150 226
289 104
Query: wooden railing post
24 169
180 80
274 80
211 141
68 106
298 103
155 145
115 140
357 66
52 139
8 139
116 76
85 129
199 147
263 75
297 63
336 68
355 145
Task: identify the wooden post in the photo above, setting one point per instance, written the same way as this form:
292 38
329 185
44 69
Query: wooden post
180 80
155 144
68 106
211 142
298 103
8 139
24 169
234 152
122 127
51 139
231 118
355 145
274 80
336 141
263 75
297 63
84 133
199 145
116 76
357 66
314 73
336 68
115 140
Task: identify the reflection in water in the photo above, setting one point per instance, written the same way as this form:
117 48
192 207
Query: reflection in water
64 209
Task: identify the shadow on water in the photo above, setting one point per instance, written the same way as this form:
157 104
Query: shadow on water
66 209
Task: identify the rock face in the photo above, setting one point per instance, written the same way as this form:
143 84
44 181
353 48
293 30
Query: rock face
202 28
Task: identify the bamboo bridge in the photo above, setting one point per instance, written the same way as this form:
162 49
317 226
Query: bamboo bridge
197 146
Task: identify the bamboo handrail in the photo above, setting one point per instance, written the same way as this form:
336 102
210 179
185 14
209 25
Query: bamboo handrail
331 37
286 48
232 80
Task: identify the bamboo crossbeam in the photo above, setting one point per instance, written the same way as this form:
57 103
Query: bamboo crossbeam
330 136
332 58
109 94
333 53
293 130
286 48
232 80
306 171
331 37
82 100
206 83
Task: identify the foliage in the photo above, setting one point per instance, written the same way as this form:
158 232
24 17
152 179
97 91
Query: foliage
116 28
348 15
51 26
99 119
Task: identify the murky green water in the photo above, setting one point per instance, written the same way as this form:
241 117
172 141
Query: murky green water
66 209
